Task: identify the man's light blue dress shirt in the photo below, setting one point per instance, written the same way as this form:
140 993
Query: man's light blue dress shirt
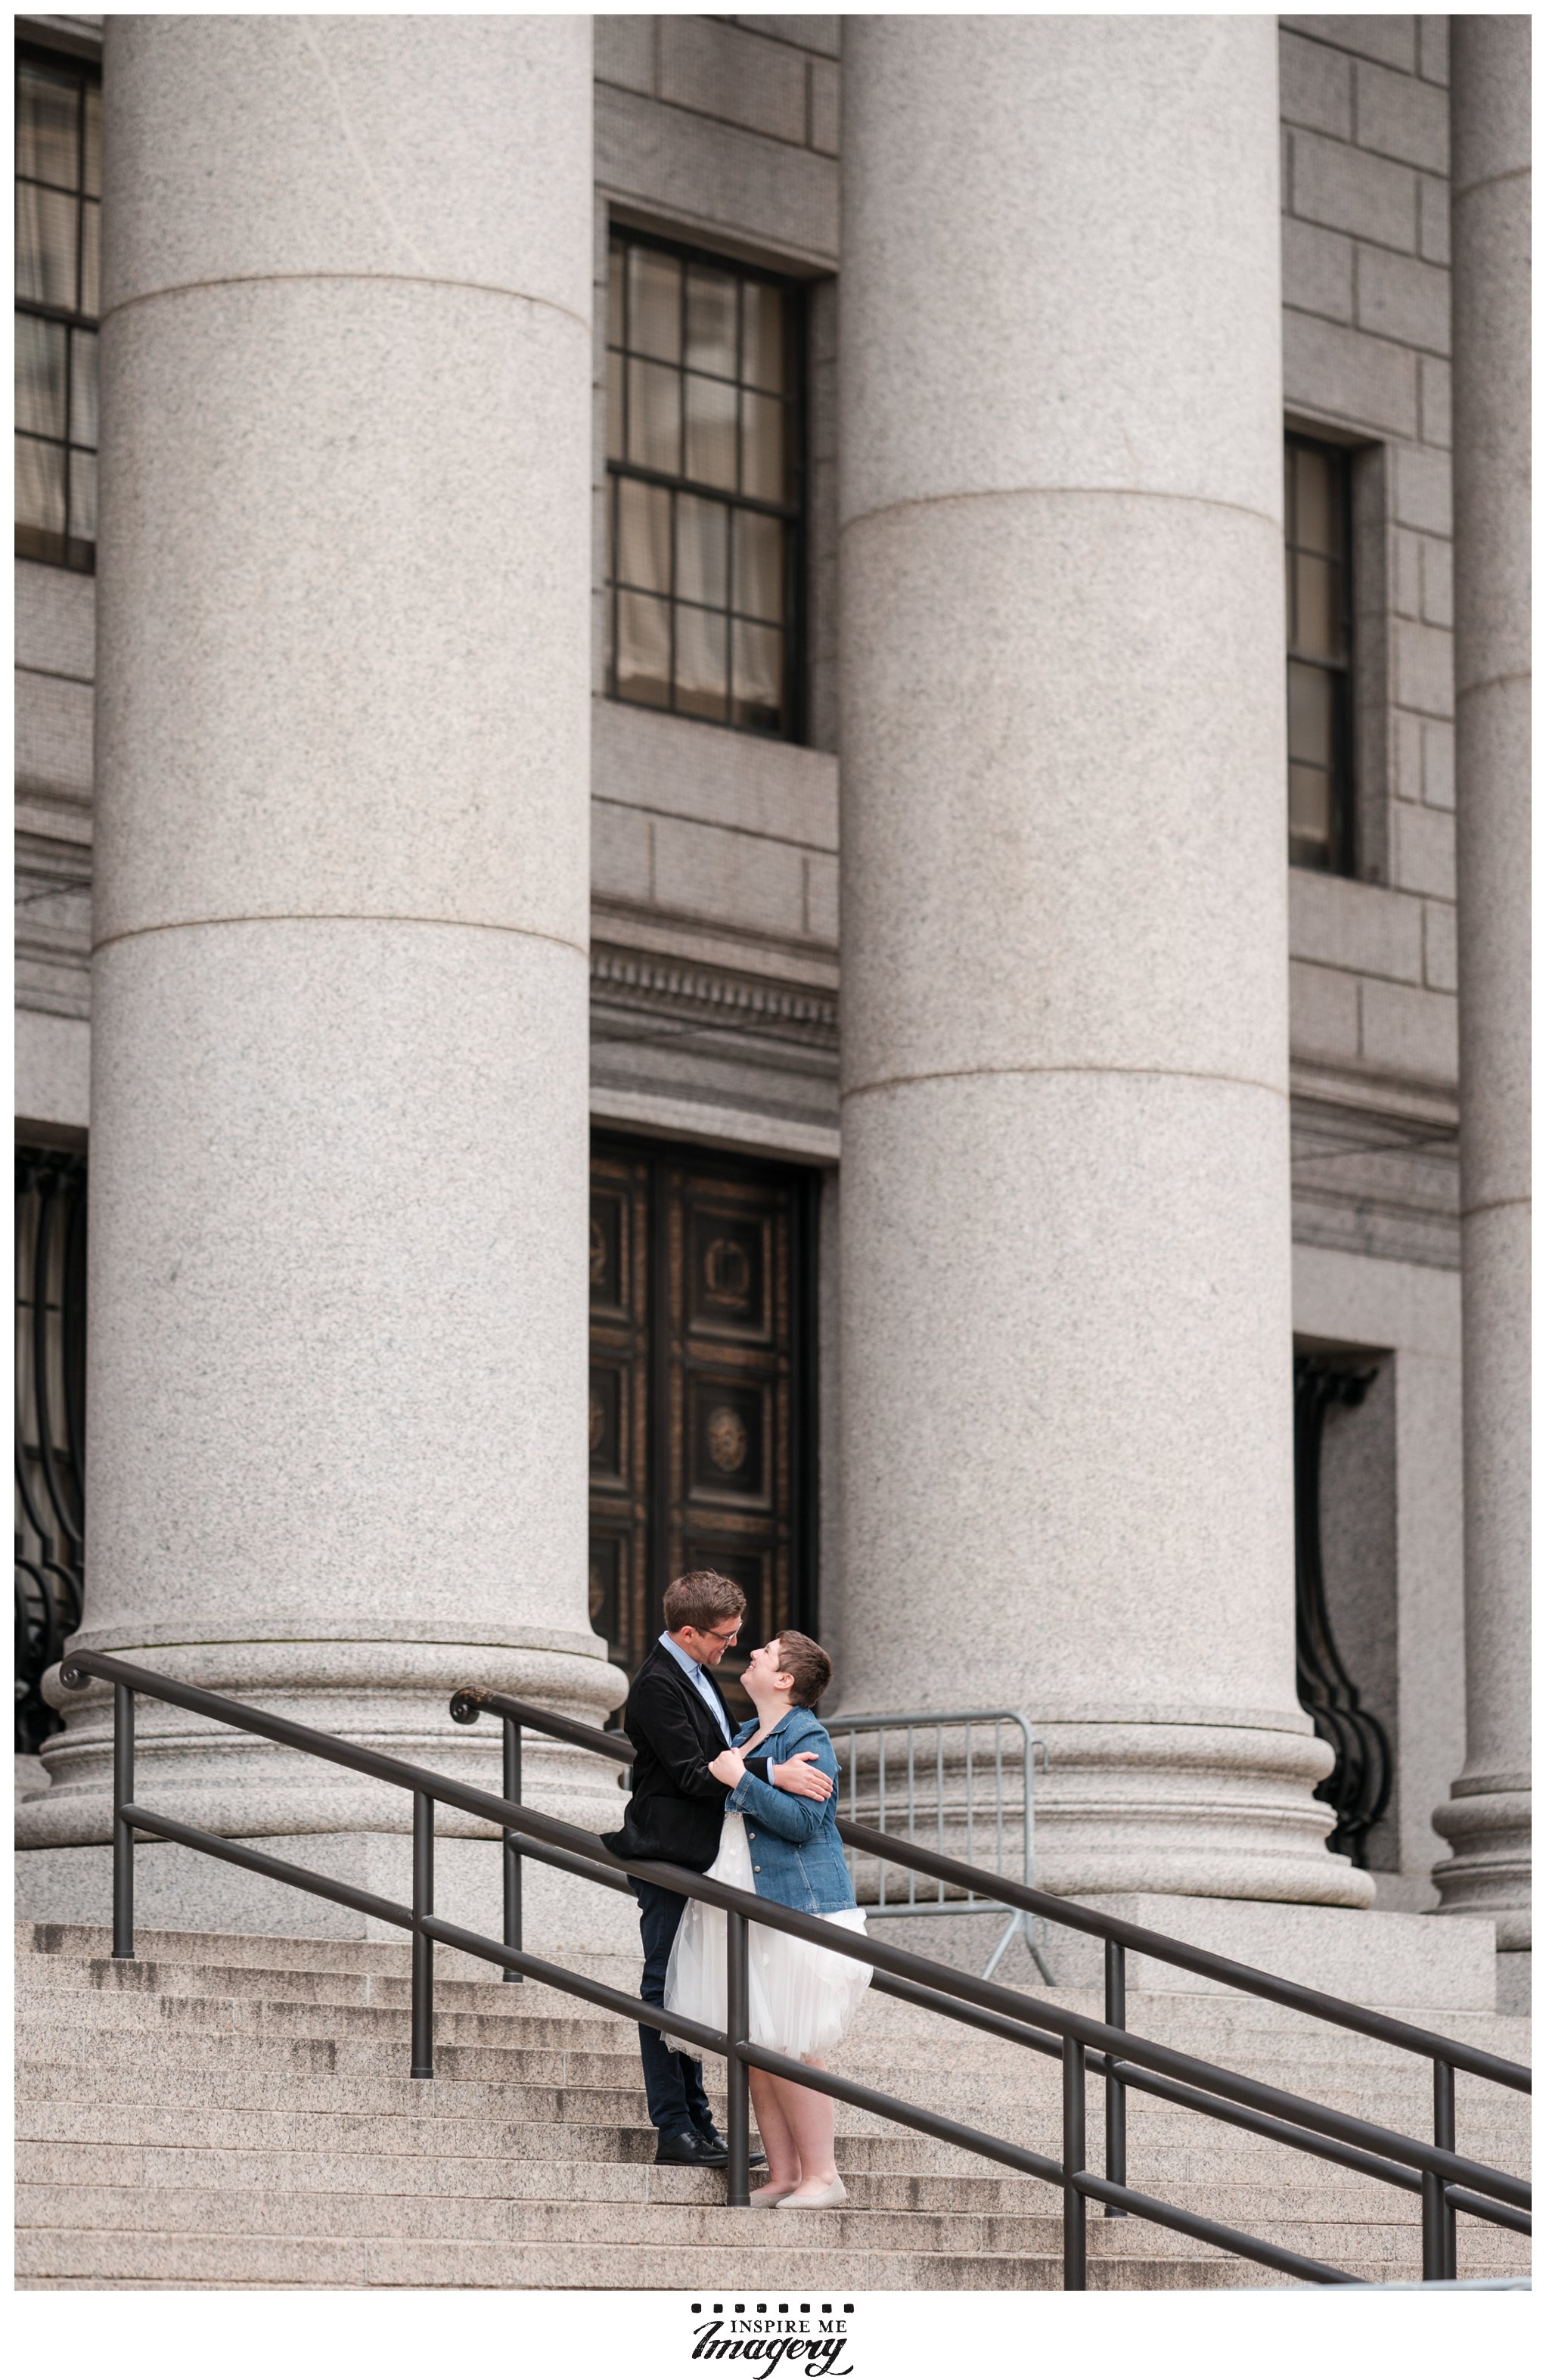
694 1670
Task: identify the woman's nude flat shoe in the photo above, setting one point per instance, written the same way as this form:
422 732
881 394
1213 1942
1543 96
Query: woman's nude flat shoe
833 2194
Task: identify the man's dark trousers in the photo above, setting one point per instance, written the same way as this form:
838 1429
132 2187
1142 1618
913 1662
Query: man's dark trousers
673 2081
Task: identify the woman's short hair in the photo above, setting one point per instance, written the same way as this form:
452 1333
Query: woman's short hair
802 1659
701 1597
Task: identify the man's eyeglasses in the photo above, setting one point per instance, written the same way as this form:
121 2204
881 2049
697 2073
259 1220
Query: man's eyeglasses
723 1635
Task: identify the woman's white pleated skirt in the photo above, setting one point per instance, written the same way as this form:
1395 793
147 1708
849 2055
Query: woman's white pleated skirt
801 1997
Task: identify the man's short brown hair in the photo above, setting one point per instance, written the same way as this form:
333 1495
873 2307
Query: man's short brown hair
802 1658
701 1597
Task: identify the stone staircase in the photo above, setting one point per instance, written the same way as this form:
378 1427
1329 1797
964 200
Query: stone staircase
234 2111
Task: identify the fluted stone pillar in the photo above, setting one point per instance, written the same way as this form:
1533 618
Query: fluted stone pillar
1487 1819
1068 1440
339 1049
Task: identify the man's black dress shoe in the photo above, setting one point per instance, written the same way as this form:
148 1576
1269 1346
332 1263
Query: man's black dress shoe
717 2142
686 2148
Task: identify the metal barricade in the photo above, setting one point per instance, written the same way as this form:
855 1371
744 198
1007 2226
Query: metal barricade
977 1794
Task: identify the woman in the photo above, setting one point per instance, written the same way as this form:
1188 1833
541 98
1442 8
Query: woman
802 1997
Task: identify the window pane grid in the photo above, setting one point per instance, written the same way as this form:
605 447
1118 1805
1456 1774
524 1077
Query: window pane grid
58 184
704 518
1317 543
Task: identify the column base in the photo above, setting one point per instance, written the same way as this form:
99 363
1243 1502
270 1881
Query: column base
1209 1805
187 1892
1487 1822
1193 1807
1514 1982
1375 1958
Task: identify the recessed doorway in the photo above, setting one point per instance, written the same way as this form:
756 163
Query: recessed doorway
702 1389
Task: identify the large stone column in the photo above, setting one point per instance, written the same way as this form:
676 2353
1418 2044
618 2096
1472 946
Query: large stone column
1067 1454
1487 1820
339 1066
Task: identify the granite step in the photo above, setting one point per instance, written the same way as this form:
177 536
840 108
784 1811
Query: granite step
1274 2058
483 2116
410 2214
60 2259
234 2111
130 2258
340 2120
1335 2196
385 1964
881 2173
295 2165
128 1996
500 2082
896 2148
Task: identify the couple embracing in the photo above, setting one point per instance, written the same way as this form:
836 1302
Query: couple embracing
755 1807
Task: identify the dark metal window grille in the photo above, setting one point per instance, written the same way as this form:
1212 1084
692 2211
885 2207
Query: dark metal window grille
1359 1786
1318 546
58 219
50 1421
705 510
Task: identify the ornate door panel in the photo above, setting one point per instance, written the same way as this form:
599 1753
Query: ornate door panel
729 1487
701 1336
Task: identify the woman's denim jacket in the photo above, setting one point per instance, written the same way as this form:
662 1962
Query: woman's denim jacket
796 1854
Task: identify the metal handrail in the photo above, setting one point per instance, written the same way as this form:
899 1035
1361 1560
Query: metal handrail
469 1700
1445 2180
1256 1981
925 1993
1441 2196
465 1705
610 1742
1119 1935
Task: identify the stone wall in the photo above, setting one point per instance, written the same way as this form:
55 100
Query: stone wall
711 848
1366 360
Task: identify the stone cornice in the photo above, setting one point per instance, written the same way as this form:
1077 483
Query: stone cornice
713 996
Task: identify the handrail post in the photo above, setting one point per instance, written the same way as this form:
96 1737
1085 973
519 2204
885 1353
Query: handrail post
512 1852
1115 2089
738 2121
1445 2138
422 2066
1438 2214
123 1833
1073 2162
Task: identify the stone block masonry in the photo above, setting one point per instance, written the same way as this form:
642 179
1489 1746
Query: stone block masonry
1366 362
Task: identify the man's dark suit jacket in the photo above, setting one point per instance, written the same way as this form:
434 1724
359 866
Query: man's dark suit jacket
677 1808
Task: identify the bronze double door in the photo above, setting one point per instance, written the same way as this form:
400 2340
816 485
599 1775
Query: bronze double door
702 1411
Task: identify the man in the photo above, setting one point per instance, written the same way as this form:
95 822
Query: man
676 1719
